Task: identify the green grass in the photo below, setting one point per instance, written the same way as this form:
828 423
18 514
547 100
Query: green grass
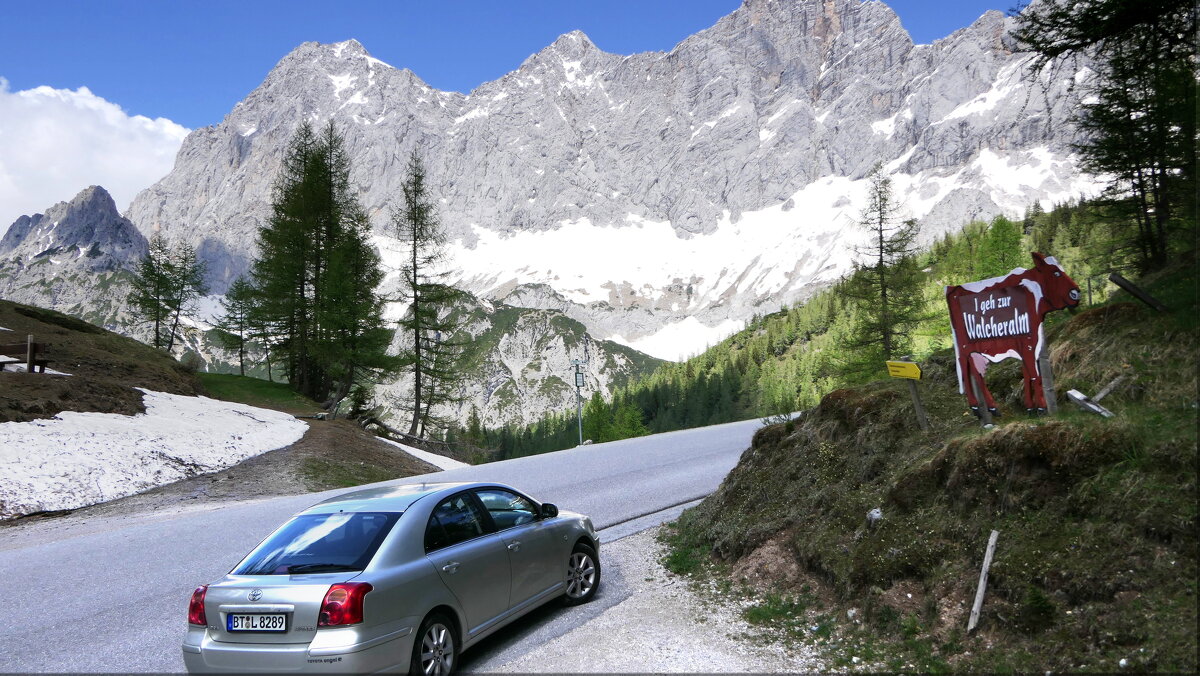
322 474
256 392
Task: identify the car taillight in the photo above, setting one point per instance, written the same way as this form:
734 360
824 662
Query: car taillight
196 607
343 604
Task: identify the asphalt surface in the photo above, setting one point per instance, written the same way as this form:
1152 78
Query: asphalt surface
110 594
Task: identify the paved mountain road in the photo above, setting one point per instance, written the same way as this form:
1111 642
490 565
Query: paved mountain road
110 594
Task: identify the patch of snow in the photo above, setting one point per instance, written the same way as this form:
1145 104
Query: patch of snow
20 368
674 341
341 83
782 110
886 127
4 329
439 461
359 98
1007 81
477 112
77 459
376 62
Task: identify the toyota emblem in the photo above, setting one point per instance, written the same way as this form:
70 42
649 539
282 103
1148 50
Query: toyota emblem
255 595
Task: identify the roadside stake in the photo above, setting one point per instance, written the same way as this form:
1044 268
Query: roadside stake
910 371
983 575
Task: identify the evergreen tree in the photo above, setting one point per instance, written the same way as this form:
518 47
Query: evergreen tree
434 349
166 284
1140 125
185 285
315 278
885 284
235 322
1000 251
150 288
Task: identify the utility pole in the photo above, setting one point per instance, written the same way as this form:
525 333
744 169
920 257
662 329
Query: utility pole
578 364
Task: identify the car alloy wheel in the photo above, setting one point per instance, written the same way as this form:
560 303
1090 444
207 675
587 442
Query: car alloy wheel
435 652
583 575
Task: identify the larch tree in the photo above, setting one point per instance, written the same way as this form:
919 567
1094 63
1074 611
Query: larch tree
150 288
235 323
316 276
885 284
430 326
165 285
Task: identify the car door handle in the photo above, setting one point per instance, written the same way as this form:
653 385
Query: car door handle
514 545
451 567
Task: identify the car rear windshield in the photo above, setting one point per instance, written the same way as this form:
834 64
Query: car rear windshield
320 543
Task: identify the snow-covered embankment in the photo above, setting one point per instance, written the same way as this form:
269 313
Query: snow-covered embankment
78 459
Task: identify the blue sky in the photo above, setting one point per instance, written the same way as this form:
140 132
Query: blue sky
191 61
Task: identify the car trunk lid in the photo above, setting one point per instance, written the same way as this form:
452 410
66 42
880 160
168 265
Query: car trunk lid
268 608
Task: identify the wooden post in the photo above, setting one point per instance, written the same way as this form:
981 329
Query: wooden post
1136 292
921 419
1047 375
1108 388
985 416
29 353
983 576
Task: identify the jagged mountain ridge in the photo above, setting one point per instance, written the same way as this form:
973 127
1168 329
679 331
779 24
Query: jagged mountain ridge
70 256
718 179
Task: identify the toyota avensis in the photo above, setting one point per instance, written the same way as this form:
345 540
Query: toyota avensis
397 578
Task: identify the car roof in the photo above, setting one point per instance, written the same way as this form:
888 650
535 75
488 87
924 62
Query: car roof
392 498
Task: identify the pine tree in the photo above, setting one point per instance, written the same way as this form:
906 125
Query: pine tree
885 284
434 349
1140 124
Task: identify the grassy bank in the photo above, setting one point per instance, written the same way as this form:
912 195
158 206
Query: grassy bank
257 392
1096 561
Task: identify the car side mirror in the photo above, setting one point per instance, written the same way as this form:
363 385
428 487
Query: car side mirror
549 511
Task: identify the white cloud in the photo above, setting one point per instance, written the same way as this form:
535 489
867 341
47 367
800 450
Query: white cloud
55 142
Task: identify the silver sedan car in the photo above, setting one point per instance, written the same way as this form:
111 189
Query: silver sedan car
397 578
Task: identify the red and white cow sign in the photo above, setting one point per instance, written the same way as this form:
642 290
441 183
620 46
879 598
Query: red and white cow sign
1001 318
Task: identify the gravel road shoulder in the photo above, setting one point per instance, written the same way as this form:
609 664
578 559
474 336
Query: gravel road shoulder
662 625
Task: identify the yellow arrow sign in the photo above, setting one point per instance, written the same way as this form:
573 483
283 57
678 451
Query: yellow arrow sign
904 369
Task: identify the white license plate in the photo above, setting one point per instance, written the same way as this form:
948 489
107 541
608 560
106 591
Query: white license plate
235 622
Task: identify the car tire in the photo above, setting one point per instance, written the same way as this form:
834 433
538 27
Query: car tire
435 648
583 575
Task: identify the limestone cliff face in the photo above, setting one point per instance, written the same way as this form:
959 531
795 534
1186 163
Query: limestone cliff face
756 130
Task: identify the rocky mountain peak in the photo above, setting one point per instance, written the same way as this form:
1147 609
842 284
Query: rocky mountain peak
88 223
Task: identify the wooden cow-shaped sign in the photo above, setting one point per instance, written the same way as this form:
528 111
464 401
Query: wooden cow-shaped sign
1001 317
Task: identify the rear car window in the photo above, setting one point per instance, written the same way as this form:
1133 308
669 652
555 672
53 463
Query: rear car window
320 543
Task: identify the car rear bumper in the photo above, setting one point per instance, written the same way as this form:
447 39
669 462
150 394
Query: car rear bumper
202 655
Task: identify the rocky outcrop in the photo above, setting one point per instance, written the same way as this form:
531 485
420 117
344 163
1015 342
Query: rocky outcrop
519 365
73 258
